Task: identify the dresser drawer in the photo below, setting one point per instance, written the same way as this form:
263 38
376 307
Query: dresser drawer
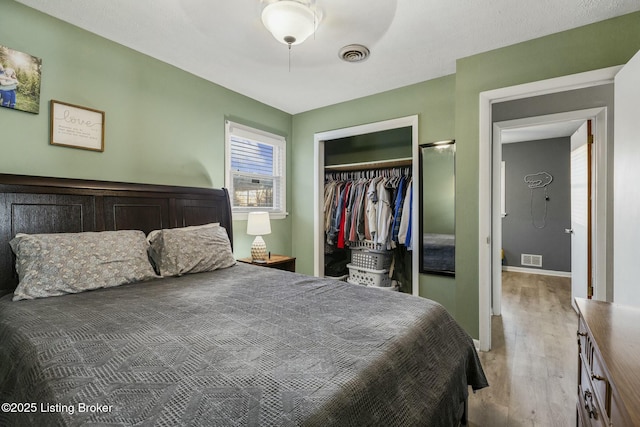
600 383
584 348
592 369
592 408
587 414
608 364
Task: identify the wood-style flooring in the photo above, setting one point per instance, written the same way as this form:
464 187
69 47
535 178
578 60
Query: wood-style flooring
532 367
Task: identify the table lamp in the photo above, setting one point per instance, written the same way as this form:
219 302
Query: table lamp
258 225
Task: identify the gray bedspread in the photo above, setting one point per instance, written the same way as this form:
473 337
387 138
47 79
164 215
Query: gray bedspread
241 346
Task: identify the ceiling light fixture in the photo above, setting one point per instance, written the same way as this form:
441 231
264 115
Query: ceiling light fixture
291 22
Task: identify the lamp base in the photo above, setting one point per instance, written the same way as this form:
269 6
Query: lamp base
259 250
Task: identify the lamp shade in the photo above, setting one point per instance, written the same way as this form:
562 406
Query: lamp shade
258 224
290 22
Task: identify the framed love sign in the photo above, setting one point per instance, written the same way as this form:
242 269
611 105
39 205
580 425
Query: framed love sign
77 127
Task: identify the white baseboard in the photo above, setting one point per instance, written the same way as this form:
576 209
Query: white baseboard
537 271
476 343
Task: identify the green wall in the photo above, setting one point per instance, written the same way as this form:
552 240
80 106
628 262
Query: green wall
604 44
448 109
165 126
162 125
382 145
432 100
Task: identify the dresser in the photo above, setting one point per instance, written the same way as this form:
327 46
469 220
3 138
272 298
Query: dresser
608 364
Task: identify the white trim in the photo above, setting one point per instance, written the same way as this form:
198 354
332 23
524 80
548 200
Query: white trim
374 164
503 191
248 132
318 187
486 99
600 236
599 213
496 239
585 114
536 271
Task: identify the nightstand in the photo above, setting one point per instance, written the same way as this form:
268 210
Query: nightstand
280 262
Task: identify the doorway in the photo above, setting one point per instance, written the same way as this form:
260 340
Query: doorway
489 176
543 128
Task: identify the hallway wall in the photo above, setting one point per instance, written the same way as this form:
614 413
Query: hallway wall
533 225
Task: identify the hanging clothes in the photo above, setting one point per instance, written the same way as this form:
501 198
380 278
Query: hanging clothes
356 231
367 205
343 215
406 215
334 220
384 214
408 239
372 208
397 207
329 198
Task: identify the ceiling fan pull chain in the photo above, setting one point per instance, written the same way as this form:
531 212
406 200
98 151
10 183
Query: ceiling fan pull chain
290 40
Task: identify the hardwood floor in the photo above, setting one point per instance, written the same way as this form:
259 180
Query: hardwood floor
532 368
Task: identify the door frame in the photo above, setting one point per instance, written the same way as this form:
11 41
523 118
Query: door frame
318 187
599 117
486 249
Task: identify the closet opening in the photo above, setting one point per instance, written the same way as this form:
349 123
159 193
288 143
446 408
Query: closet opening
367 218
367 159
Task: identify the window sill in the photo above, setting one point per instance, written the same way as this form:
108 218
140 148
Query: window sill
242 216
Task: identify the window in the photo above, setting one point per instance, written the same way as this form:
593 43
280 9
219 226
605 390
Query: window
255 171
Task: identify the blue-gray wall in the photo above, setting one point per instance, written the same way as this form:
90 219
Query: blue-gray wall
524 229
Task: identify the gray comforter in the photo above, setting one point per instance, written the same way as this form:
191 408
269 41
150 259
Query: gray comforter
241 346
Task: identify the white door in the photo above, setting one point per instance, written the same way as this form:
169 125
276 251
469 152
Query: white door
626 176
579 210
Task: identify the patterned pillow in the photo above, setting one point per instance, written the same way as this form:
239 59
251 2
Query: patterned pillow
64 263
178 251
152 235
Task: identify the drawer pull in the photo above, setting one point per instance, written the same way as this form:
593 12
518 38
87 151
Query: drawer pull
597 377
580 334
589 406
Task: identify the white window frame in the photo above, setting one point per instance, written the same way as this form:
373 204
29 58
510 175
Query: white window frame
279 143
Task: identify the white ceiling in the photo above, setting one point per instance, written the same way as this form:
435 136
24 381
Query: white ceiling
410 40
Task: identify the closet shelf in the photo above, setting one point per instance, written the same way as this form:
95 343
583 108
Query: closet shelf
381 164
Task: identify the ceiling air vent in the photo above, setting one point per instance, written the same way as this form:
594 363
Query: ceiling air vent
354 53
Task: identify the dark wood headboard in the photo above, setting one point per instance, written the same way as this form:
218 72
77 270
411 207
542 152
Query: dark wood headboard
30 204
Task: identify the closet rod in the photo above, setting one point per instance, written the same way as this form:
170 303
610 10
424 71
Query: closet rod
380 164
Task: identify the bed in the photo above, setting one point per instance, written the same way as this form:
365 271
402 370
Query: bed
241 345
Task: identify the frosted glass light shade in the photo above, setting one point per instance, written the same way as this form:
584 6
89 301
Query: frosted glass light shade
290 22
258 224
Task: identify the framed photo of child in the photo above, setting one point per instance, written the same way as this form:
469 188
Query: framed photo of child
19 80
